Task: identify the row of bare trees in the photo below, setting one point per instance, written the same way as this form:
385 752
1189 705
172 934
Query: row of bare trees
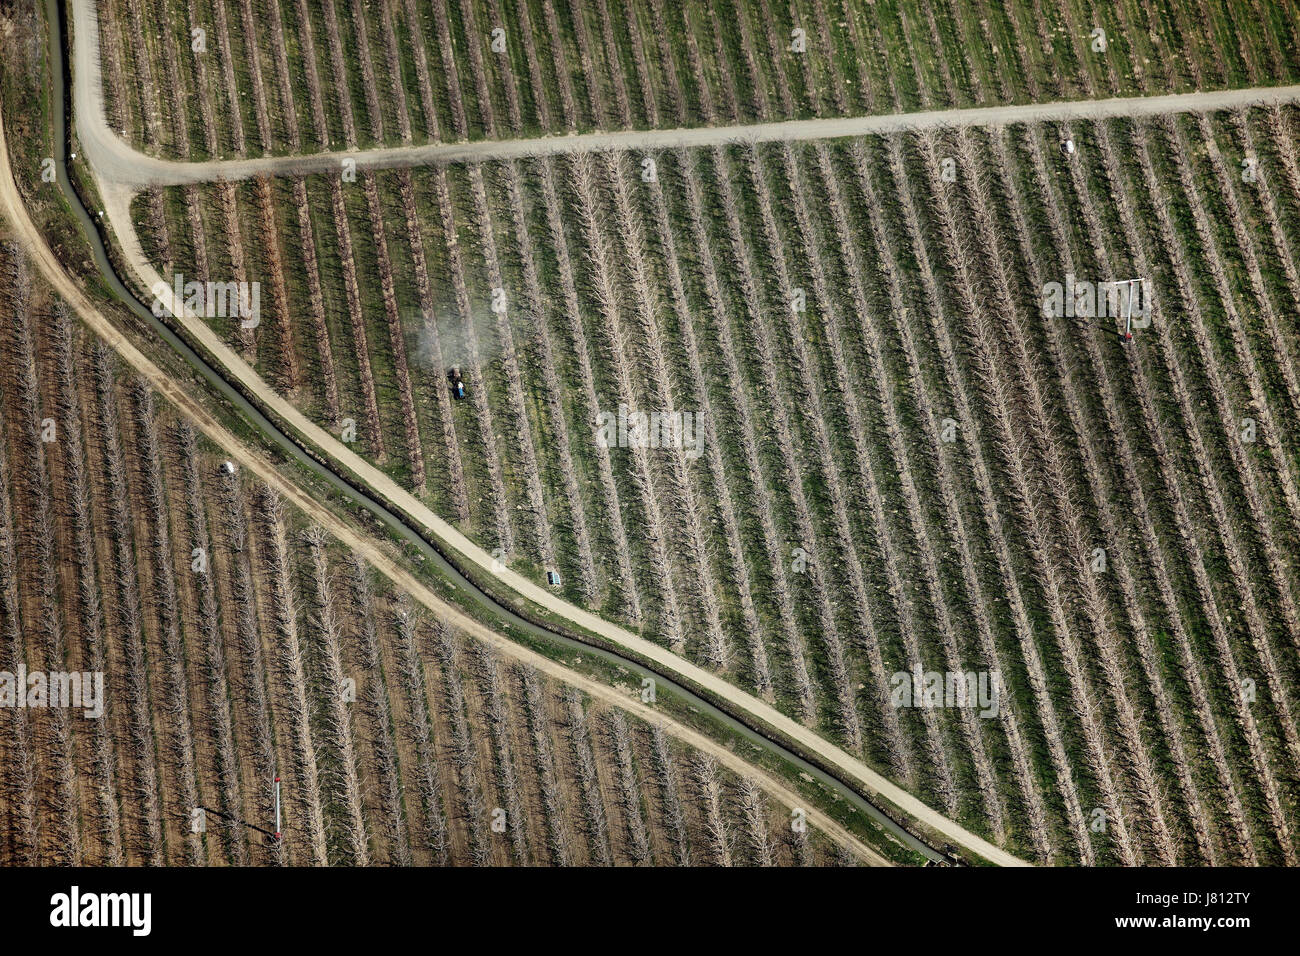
619 740
559 64
497 520
338 770
324 356
85 613
504 66
752 806
595 818
169 680
447 51
253 714
452 469
553 434
574 340
622 107
117 102
428 105
227 197
380 768
177 98
524 453
472 806
374 435
474 43
220 771
35 593
500 720
544 759
668 781
17 743
286 675
142 72
127 669
718 831
417 732
307 44
338 72
357 14
38 589
636 40
396 335
234 110
286 353
252 63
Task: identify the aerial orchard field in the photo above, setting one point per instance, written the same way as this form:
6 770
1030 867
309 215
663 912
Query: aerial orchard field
199 79
239 644
962 440
915 466
885 453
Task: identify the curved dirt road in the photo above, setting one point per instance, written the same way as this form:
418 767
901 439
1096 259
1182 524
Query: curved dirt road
117 170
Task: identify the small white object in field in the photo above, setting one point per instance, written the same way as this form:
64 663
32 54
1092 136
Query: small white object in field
227 467
1068 147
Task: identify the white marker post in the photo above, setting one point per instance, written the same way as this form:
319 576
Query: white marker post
1135 288
277 808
